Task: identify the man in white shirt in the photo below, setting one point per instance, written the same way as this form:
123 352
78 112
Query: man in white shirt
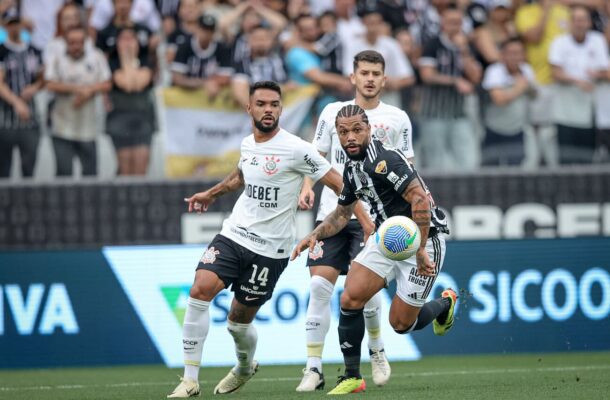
578 60
142 11
332 256
253 247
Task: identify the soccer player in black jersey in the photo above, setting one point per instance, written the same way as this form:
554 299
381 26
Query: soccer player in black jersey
384 178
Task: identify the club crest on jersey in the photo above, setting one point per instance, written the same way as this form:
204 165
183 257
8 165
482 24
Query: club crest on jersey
317 251
270 165
210 255
381 132
381 167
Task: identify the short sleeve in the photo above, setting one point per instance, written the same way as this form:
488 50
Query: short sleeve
555 56
405 138
104 68
180 61
428 57
51 71
309 162
400 67
322 138
301 61
347 195
493 78
396 169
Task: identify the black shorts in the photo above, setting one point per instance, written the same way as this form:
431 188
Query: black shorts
251 276
339 250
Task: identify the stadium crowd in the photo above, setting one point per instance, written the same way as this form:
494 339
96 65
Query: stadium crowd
485 82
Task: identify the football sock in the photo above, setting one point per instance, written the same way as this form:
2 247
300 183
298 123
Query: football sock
430 311
194 332
351 333
245 338
372 310
318 320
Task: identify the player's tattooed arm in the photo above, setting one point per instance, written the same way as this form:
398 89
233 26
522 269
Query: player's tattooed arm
201 201
421 212
331 225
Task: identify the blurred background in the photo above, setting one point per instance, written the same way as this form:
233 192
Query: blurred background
112 111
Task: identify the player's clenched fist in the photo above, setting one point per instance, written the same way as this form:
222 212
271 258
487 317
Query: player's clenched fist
200 201
308 241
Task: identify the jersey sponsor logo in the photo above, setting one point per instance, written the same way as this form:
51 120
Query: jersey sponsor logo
251 298
317 251
340 156
405 135
320 129
267 194
392 177
210 255
253 237
311 163
381 167
254 161
270 166
400 182
252 291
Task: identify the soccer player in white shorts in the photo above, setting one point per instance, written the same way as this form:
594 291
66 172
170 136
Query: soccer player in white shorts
252 249
384 178
331 257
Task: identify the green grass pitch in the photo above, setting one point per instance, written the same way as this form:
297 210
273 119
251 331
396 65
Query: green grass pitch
523 377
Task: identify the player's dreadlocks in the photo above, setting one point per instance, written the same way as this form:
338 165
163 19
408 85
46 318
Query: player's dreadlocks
352 110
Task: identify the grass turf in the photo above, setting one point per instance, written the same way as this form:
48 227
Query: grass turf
545 376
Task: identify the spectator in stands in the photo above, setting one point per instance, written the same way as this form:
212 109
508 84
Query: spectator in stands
449 72
142 12
106 39
489 37
427 24
329 46
578 60
262 64
169 12
239 22
602 101
348 23
511 85
68 17
539 23
77 78
304 66
39 17
131 119
21 73
189 13
203 62
398 70
9 7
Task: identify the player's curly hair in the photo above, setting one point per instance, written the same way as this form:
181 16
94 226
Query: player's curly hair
352 110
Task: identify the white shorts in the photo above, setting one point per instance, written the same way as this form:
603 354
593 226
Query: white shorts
412 288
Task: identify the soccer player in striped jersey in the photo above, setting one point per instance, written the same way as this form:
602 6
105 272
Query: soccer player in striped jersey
331 257
385 179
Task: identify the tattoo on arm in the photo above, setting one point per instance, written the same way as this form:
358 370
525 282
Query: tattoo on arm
232 182
420 208
335 221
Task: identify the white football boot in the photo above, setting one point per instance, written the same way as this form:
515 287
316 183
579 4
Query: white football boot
380 367
233 382
312 380
186 388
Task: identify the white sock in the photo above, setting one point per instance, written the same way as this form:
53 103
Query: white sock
245 338
194 332
372 310
318 320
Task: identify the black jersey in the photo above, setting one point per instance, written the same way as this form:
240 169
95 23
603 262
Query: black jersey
380 179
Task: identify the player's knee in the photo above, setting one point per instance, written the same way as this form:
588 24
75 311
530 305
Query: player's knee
351 302
321 289
401 324
200 292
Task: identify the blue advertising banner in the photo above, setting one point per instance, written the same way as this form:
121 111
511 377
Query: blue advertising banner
126 305
66 308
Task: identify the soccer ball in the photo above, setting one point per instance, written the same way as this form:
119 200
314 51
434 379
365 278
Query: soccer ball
398 238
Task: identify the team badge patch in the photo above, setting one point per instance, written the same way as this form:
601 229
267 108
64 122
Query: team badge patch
270 165
381 167
210 255
380 132
317 251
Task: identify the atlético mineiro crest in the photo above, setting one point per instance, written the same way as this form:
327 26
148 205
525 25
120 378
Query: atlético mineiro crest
270 165
210 255
317 251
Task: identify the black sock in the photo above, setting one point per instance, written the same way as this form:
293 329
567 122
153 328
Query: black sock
437 308
351 333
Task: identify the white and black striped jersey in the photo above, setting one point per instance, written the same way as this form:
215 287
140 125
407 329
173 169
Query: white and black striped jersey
380 179
195 62
22 66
